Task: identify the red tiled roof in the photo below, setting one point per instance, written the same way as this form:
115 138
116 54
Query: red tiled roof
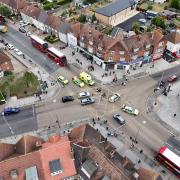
174 37
32 155
31 11
3 57
157 37
17 4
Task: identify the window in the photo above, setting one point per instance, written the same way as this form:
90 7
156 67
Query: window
55 167
121 52
122 59
134 57
112 52
148 46
160 44
146 53
136 50
110 59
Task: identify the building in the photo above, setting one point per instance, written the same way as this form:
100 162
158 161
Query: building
15 5
33 158
30 14
158 1
97 158
173 43
41 20
117 12
5 62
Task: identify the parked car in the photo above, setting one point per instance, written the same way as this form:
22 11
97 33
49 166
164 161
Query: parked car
1 41
10 110
83 94
10 46
130 110
114 98
62 80
77 81
172 78
18 52
21 29
119 119
86 101
67 99
28 33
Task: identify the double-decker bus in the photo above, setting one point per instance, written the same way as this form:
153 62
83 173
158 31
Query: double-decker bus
38 43
58 57
169 156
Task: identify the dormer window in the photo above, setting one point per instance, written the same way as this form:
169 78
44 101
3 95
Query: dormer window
112 52
100 48
136 50
91 43
121 52
148 46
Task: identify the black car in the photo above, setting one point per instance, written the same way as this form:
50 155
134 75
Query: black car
22 30
67 99
1 40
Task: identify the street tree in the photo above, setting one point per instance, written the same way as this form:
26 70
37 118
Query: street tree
93 18
29 78
136 27
5 11
159 21
175 4
82 18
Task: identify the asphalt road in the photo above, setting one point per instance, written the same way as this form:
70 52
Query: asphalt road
165 74
15 124
22 42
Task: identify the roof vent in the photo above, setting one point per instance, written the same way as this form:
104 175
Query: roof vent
14 174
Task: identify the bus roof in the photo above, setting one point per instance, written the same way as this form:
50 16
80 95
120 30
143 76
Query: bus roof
55 51
39 40
170 155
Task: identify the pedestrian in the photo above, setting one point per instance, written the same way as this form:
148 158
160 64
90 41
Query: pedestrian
174 114
110 73
178 95
102 75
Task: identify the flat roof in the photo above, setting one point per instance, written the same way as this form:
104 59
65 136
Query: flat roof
115 7
171 156
39 40
55 51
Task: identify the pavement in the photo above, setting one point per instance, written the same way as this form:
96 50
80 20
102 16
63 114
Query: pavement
164 108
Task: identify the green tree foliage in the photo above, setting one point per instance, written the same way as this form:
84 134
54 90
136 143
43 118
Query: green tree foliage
136 27
175 4
5 11
150 7
29 78
82 18
159 21
93 18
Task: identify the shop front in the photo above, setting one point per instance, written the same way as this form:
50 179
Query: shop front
85 53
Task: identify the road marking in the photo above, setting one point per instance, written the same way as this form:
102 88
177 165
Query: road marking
33 110
54 100
144 122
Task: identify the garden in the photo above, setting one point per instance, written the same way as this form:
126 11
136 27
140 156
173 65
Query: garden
51 39
20 85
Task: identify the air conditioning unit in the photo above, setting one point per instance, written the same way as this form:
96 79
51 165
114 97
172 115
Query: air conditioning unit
14 174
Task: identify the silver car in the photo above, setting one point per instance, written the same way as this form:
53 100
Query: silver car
87 101
83 94
119 119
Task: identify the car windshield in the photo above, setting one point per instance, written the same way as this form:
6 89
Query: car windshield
61 78
129 108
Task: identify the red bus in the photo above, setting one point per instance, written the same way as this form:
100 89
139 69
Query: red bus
58 57
169 156
38 43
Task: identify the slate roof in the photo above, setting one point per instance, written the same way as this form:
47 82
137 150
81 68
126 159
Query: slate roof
115 7
65 27
42 16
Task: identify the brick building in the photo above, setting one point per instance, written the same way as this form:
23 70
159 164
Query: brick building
5 62
34 158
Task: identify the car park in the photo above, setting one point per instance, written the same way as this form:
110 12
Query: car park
10 110
77 81
172 78
114 98
130 110
119 119
83 94
87 101
18 52
21 29
62 80
67 99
